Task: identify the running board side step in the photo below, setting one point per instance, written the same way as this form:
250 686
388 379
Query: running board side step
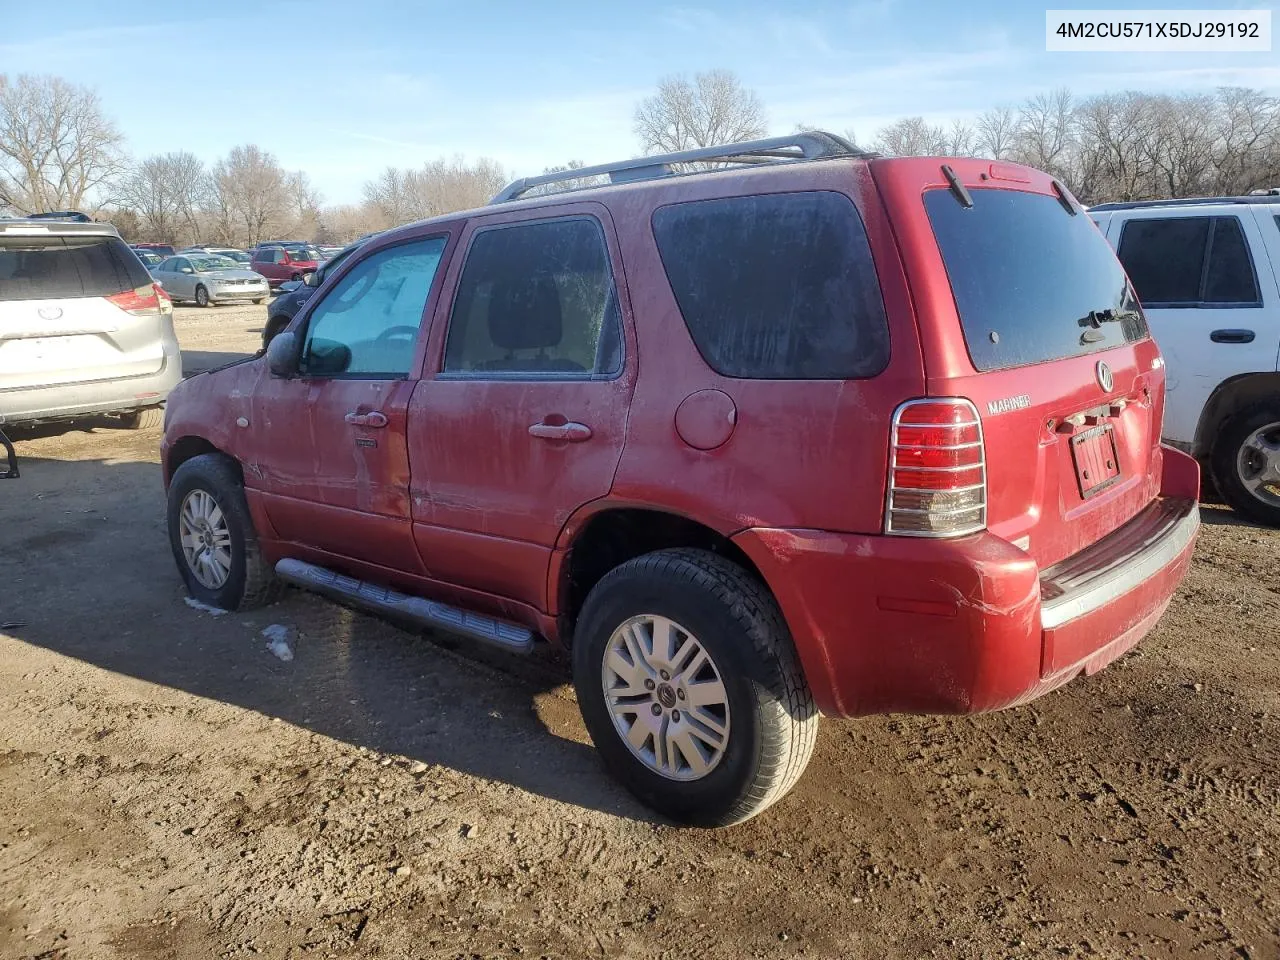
426 613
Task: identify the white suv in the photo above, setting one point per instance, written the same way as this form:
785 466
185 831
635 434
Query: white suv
1208 275
84 328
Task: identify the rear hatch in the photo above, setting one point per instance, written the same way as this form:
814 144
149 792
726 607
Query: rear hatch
74 308
1024 310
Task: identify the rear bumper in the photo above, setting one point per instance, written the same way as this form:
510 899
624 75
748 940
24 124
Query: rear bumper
68 400
890 624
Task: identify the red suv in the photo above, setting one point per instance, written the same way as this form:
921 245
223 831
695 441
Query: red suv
279 264
811 432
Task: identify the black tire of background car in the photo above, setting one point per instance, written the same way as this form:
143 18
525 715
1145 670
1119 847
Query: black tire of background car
147 418
252 581
260 300
202 296
773 720
1227 448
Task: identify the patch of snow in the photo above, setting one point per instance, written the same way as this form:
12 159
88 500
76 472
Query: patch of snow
277 636
195 604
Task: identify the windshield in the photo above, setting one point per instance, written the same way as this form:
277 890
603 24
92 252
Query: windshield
1031 282
205 264
237 256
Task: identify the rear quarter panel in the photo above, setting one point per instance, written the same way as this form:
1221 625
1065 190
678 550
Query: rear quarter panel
803 453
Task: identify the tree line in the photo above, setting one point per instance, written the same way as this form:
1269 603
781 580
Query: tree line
60 150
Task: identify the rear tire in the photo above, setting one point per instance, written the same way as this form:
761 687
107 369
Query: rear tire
260 300
148 418
761 719
297 277
213 539
202 296
1246 463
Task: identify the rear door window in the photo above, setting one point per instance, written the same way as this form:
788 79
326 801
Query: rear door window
47 268
536 300
1189 262
1031 281
776 286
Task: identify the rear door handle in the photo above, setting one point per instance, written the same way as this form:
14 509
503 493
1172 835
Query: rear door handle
1232 336
573 432
374 418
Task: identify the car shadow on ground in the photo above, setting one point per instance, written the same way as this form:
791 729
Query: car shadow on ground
87 573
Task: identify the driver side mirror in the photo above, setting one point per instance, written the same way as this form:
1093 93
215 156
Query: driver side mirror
282 355
188 270
311 279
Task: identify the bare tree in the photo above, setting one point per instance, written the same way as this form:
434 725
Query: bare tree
995 131
304 204
913 137
166 193
712 109
56 145
345 223
438 187
249 196
1046 132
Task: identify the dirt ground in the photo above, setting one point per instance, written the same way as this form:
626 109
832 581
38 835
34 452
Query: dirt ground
170 789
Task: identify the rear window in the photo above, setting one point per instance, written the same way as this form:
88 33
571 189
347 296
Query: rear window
47 268
1031 282
776 287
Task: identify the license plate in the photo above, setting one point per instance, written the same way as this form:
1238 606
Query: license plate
1097 466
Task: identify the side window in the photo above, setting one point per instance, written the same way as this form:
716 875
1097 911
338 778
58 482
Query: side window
536 298
367 325
776 286
1189 261
165 264
1165 258
1229 277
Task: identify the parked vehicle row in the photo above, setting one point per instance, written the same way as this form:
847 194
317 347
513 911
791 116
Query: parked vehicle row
899 449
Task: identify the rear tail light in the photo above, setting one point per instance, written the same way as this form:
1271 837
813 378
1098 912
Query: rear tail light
138 301
937 470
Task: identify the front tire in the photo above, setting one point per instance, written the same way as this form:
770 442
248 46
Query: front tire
691 689
212 536
202 296
1246 463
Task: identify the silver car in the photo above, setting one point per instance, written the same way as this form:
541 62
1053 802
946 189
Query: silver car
208 278
83 327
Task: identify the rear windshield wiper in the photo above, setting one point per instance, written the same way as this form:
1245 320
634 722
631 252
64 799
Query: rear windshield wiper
1096 318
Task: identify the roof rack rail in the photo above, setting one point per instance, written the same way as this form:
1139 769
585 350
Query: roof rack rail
71 216
1270 198
811 145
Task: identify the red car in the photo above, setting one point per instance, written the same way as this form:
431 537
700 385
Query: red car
280 263
820 432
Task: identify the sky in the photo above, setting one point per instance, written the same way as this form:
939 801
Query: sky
342 90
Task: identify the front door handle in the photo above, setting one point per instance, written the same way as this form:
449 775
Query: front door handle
573 432
1232 336
374 418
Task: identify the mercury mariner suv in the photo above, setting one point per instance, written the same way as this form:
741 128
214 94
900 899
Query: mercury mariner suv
810 431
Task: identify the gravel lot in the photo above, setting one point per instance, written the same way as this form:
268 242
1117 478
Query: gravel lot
170 788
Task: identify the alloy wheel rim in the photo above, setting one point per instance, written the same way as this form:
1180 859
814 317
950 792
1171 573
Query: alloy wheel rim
206 539
1258 464
666 697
